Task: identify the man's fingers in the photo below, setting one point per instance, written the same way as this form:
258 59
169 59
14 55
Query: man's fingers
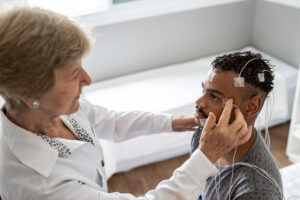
244 138
210 123
225 116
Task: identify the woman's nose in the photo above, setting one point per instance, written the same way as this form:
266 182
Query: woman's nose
86 79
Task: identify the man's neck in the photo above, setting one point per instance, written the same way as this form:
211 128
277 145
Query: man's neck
241 150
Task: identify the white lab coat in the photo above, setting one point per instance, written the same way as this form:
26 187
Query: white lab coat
31 169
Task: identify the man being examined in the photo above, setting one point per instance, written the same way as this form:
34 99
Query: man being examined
234 180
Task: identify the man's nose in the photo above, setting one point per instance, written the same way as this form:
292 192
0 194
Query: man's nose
200 102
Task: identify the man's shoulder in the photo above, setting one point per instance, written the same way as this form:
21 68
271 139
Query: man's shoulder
259 194
254 181
259 155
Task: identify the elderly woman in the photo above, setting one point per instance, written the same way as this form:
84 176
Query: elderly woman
49 137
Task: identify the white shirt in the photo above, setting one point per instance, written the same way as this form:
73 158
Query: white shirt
32 169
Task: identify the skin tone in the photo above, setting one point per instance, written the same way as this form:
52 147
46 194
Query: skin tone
246 99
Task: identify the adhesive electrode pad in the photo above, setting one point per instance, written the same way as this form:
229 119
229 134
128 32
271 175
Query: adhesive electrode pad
239 82
261 77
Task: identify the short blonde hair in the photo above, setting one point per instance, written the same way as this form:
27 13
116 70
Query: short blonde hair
34 42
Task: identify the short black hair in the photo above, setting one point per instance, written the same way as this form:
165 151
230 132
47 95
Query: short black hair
236 61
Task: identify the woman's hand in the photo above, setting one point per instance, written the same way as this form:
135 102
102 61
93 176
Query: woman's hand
217 140
183 123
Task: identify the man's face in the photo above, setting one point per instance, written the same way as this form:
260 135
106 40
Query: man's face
215 90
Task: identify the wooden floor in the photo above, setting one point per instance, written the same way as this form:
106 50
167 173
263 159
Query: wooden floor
142 179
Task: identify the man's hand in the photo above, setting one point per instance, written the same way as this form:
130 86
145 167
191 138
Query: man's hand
183 123
217 140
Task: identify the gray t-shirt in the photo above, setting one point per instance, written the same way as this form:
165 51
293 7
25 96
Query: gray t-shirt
246 183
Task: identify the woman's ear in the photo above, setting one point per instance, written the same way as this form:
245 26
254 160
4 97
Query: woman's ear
26 101
253 106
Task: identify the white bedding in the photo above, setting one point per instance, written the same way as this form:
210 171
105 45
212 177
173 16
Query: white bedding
171 89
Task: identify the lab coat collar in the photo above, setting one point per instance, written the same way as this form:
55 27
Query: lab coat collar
29 148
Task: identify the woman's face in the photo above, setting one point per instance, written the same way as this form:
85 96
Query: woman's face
63 98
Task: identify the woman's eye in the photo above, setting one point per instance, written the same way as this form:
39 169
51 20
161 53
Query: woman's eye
76 76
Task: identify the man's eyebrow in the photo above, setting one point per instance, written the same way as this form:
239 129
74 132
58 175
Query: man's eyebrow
213 90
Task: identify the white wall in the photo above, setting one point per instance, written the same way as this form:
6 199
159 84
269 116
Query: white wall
152 42
276 29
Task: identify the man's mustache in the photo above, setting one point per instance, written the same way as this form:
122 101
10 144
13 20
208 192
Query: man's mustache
201 111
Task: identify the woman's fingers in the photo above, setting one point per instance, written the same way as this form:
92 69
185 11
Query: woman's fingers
239 122
210 123
183 123
216 141
225 116
243 138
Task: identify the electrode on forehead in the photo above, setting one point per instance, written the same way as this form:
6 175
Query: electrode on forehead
239 82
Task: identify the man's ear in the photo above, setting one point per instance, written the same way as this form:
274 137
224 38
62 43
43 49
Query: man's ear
253 106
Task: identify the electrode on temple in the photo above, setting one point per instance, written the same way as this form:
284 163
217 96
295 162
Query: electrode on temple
261 77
